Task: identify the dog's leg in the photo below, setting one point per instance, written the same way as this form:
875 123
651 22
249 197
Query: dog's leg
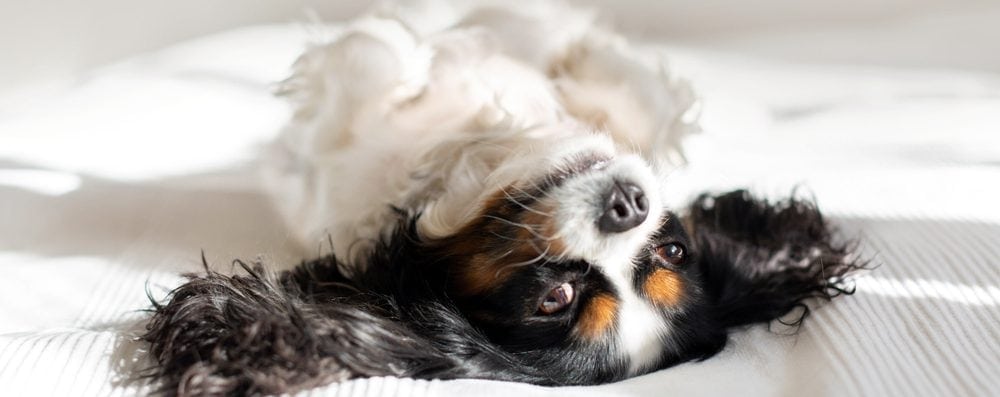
611 85
601 79
339 92
335 85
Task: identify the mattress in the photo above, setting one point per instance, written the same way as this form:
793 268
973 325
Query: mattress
112 186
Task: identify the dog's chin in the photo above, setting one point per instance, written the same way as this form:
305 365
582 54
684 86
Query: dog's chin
576 165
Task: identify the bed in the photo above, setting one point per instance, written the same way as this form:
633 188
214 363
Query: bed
113 185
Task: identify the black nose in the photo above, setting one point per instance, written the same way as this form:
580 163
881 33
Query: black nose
625 207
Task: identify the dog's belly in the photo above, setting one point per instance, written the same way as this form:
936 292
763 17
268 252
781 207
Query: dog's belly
393 156
391 117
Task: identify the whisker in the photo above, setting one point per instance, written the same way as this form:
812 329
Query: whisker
527 262
505 254
562 255
546 193
529 228
506 237
522 205
529 195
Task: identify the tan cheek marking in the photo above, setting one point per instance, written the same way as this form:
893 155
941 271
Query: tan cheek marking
664 287
480 275
480 272
545 231
598 317
485 270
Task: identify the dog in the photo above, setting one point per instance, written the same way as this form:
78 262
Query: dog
491 181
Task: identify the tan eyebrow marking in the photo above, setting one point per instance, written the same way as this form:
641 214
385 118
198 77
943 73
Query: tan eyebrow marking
598 316
664 287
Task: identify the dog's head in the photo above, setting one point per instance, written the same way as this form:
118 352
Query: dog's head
574 259
572 272
578 264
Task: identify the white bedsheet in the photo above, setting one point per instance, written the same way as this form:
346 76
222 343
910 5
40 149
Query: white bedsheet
117 183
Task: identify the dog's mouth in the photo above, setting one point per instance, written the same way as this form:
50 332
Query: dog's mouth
577 165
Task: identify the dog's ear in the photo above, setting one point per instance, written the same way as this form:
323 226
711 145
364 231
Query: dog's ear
259 333
760 260
267 333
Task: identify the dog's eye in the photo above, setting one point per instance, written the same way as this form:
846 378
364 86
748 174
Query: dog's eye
557 299
673 253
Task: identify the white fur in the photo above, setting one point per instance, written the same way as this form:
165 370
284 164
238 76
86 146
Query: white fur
432 108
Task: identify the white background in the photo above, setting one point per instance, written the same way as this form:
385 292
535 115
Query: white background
59 39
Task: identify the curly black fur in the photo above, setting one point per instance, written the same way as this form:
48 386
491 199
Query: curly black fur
264 333
761 260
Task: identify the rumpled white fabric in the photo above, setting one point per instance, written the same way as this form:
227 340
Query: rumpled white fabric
117 184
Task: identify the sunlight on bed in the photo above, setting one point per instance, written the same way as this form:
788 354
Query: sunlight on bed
975 295
49 183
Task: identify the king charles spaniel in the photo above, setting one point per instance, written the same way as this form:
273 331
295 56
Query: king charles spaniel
491 180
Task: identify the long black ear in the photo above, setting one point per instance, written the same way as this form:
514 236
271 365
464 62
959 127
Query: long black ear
267 333
262 334
760 260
